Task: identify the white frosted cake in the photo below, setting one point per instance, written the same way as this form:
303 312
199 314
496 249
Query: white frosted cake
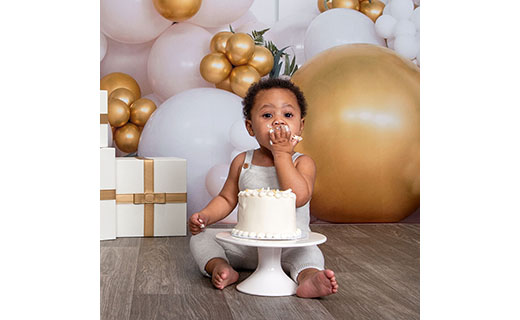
266 214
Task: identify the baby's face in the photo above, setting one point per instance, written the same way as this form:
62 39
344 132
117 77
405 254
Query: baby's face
274 108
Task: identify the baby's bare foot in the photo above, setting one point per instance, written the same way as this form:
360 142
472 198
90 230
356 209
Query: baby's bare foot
223 275
317 284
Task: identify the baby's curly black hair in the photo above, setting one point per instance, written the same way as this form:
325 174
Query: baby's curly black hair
271 83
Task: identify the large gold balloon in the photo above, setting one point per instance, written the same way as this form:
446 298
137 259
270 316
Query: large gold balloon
242 78
215 67
321 5
262 60
118 112
224 85
348 4
141 110
362 130
219 40
127 137
372 9
239 48
177 10
115 80
124 95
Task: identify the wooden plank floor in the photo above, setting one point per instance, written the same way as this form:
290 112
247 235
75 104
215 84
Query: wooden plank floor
376 265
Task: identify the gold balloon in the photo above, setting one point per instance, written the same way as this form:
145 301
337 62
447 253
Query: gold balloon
124 95
239 48
262 60
127 137
118 112
372 9
321 5
141 110
177 10
362 131
349 4
242 78
224 85
115 80
219 40
215 67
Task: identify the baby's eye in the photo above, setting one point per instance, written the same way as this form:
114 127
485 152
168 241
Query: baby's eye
289 115
267 115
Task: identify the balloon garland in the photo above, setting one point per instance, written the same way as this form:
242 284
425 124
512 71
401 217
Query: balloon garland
371 8
177 10
127 111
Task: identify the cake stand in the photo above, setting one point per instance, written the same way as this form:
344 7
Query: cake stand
269 279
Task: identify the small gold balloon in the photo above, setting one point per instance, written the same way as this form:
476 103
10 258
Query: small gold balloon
321 5
349 4
115 80
141 110
124 95
127 137
177 10
219 40
118 113
242 78
239 48
215 67
372 9
262 60
224 85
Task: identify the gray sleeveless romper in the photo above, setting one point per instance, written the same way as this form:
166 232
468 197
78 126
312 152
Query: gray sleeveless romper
205 247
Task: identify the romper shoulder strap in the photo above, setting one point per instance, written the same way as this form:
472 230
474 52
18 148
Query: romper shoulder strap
296 155
248 159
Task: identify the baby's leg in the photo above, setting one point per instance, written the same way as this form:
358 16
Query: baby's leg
211 258
306 267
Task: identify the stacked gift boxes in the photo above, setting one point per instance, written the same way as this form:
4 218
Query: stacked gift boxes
139 196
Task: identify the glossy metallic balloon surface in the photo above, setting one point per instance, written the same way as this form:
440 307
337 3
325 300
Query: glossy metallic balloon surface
127 137
177 10
372 9
239 48
362 130
348 4
321 5
141 110
215 67
124 95
224 85
219 40
118 113
115 80
262 60
242 78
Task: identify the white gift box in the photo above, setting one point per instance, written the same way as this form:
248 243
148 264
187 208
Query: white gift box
150 196
105 132
107 219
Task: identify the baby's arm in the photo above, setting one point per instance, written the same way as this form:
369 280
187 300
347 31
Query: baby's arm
222 205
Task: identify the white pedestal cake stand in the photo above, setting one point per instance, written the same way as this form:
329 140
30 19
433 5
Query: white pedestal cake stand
269 279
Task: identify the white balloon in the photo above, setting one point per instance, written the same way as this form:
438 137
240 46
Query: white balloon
152 96
416 18
290 31
385 26
240 138
401 9
102 46
193 125
390 42
336 27
386 10
384 1
418 58
131 59
248 17
406 46
174 61
250 26
404 27
216 178
134 21
214 13
417 2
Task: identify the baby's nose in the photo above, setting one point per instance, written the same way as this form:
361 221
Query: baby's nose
278 122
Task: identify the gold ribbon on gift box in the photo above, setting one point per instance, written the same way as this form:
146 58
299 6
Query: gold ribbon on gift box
103 118
108 194
149 198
